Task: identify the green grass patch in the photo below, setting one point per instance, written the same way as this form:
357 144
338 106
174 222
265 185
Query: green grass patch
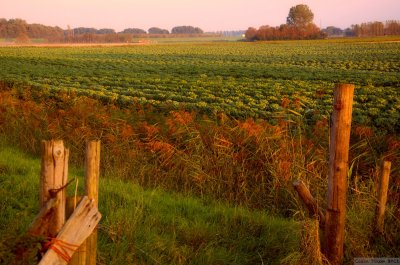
149 226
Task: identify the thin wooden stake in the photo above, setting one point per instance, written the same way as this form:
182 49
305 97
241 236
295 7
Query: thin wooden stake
338 170
309 201
54 174
92 172
382 196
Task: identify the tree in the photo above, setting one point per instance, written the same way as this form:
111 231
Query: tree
349 32
16 27
106 31
82 30
3 28
22 38
186 30
300 16
133 31
392 27
251 33
155 30
333 31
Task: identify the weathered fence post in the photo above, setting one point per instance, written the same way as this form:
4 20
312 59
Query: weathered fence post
92 172
338 170
78 227
79 257
309 201
40 225
53 178
382 196
66 240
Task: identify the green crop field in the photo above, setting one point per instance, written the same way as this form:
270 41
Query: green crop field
241 79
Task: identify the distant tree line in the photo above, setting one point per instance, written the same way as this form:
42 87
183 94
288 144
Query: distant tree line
334 31
186 30
284 32
133 31
230 33
18 28
155 30
82 30
370 29
299 25
22 31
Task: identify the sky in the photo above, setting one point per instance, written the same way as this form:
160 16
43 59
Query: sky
209 15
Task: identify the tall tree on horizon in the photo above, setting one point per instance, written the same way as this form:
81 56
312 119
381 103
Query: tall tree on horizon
300 16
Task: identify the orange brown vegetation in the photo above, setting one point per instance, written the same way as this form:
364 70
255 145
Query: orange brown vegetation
250 162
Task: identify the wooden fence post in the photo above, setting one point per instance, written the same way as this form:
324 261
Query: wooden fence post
53 178
79 257
338 171
78 227
92 172
309 201
382 196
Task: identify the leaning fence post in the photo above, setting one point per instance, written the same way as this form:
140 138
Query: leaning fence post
382 196
338 171
79 257
309 201
92 172
53 178
78 227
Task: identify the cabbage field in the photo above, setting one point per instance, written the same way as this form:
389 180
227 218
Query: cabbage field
237 78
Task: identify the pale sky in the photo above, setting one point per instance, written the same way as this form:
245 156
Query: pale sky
209 15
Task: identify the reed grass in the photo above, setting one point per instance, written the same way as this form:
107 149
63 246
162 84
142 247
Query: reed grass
248 163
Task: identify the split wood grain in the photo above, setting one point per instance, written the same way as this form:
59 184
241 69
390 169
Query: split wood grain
78 227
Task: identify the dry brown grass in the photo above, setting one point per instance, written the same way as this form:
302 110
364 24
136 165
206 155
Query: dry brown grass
310 247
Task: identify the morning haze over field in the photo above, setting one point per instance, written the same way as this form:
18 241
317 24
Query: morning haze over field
204 132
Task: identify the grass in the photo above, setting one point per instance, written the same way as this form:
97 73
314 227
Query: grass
148 226
243 162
